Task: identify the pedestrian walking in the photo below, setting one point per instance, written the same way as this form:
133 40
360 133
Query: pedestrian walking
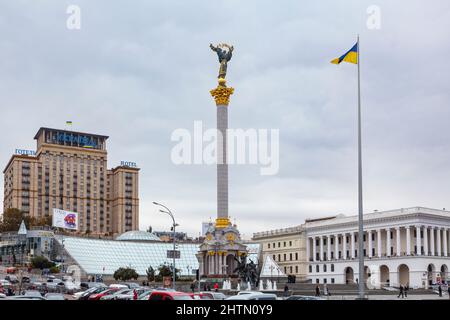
286 290
317 291
401 292
216 287
440 290
135 294
406 289
193 286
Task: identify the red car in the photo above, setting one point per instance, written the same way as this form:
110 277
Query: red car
106 292
169 295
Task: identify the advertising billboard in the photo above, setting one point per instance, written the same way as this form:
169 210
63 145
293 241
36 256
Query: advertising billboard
65 219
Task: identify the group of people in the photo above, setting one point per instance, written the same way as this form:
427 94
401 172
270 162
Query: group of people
326 291
403 291
206 286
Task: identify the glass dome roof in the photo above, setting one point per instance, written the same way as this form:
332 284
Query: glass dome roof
137 235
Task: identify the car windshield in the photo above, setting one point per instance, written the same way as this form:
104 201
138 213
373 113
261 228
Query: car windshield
181 297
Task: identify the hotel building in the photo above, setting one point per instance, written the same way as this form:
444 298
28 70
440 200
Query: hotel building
69 171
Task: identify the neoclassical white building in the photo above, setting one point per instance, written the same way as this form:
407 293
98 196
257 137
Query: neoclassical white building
405 246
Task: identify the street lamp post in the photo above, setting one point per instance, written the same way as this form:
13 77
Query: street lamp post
167 211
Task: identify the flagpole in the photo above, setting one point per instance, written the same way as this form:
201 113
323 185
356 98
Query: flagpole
360 197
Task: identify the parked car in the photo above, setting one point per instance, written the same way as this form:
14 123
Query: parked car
212 295
169 295
105 292
88 285
89 292
54 296
24 297
2 296
145 295
11 270
116 294
77 295
12 278
298 297
130 294
32 293
254 296
118 286
132 285
5 283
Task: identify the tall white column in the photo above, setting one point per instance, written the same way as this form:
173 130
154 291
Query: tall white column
425 240
369 239
432 249
399 243
321 247
438 246
328 247
308 253
219 257
445 242
314 249
353 245
379 243
344 246
408 240
418 241
388 242
336 247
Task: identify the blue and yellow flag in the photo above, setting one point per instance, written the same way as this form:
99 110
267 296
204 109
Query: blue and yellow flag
351 56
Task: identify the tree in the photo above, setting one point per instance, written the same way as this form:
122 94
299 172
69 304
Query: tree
11 220
41 262
150 274
164 270
125 274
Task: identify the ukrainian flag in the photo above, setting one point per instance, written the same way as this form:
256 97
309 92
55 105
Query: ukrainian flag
351 56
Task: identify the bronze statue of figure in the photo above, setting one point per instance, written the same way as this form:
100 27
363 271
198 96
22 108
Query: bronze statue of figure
224 53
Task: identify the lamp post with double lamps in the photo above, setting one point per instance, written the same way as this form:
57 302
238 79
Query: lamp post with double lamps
167 211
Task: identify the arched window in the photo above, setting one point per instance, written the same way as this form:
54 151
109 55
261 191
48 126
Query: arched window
332 267
324 268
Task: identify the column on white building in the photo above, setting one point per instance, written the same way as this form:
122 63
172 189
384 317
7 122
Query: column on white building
336 247
314 249
379 243
321 248
353 245
432 249
388 242
398 240
344 246
418 241
308 250
438 245
425 240
328 247
369 239
408 240
220 269
445 242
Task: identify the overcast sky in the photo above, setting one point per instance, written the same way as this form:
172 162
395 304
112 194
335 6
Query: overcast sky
137 72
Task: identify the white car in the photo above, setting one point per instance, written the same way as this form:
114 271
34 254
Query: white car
254 296
118 286
4 283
